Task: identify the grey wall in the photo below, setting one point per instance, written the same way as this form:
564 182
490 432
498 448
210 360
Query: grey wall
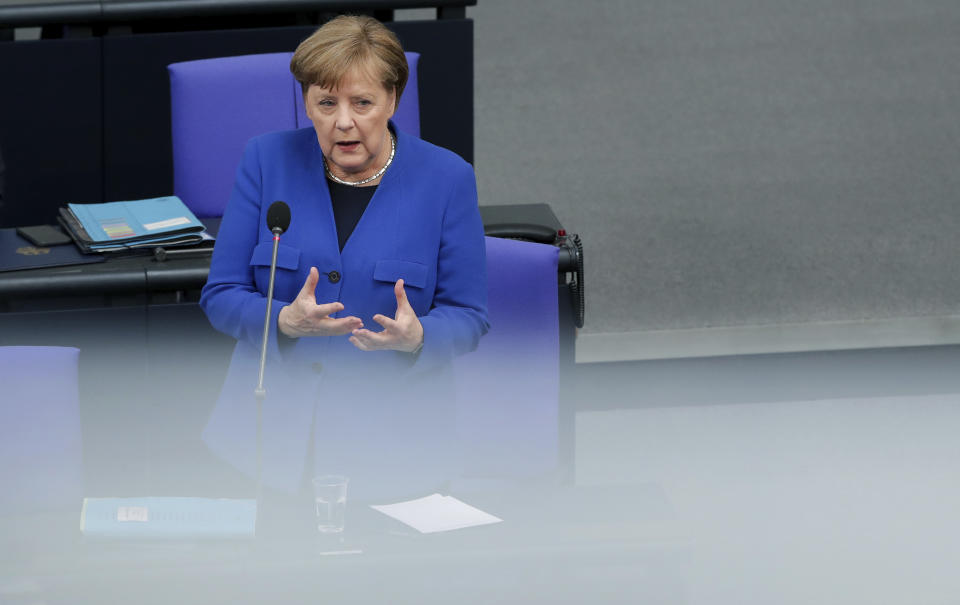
733 162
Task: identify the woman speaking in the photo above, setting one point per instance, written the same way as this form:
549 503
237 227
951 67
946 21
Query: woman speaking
381 281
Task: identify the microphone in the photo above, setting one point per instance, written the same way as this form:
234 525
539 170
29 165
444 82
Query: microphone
278 219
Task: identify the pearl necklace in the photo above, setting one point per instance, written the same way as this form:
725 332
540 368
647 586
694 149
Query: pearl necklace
334 178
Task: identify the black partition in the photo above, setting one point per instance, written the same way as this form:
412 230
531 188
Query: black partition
19 13
50 126
86 117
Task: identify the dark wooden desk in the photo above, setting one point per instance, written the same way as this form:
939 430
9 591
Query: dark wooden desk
142 279
606 545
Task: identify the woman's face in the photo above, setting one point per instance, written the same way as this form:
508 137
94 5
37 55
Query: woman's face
351 124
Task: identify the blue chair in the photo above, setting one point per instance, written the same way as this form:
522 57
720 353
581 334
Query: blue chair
508 388
40 443
217 105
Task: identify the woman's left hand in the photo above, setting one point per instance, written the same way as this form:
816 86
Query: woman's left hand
402 333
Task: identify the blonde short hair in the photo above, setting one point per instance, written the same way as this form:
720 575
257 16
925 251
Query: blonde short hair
348 43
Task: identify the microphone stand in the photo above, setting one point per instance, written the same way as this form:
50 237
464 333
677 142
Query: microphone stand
260 392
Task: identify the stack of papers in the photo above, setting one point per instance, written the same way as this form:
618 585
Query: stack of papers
162 221
436 513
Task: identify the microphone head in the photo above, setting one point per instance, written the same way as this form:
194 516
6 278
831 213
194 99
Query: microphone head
278 217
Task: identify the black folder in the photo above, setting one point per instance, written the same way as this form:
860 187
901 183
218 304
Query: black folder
17 253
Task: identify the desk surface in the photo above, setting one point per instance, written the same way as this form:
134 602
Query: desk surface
129 274
143 275
553 541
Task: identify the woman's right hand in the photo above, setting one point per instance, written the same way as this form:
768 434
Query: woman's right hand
304 317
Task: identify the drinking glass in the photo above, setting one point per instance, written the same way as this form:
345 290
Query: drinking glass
330 493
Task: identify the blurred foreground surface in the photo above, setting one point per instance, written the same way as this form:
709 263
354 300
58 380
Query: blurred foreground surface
786 479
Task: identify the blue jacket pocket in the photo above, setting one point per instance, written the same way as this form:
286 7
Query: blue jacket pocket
413 274
287 257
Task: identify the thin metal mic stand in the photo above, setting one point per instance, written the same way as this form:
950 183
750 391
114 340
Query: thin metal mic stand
260 392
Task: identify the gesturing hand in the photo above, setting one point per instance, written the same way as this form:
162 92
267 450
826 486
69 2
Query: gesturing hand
402 333
304 317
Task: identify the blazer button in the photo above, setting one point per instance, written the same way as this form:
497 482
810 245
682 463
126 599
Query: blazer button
333 276
317 367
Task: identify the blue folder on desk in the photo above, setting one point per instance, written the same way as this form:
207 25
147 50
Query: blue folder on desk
138 223
168 517
17 253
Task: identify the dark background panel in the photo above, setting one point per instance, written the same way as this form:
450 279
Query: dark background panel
50 127
446 80
137 150
21 13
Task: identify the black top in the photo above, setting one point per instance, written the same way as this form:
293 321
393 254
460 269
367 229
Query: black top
348 206
16 12
2 170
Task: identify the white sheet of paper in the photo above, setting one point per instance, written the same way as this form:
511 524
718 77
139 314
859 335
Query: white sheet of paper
435 513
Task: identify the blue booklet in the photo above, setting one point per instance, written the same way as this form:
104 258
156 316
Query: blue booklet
173 517
113 225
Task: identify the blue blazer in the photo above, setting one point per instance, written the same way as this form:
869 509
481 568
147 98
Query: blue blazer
376 412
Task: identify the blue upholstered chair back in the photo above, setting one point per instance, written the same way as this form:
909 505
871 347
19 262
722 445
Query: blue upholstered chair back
217 105
508 389
40 444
